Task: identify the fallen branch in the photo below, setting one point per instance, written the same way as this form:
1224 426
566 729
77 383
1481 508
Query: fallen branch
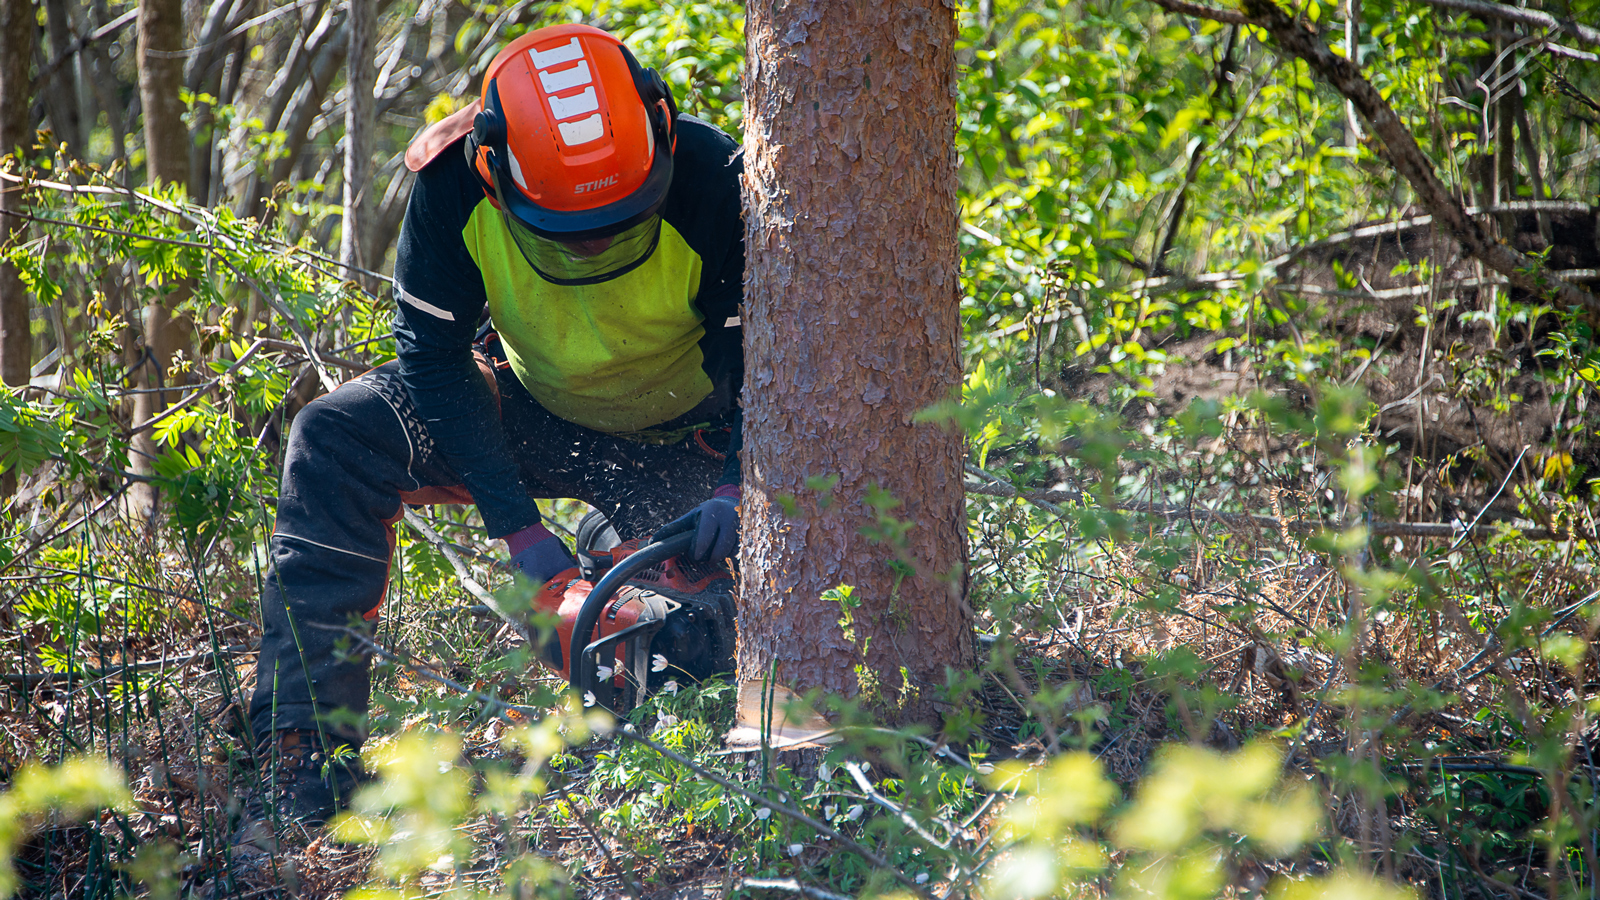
791 886
899 811
1048 500
29 679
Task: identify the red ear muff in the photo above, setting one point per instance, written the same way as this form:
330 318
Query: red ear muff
485 142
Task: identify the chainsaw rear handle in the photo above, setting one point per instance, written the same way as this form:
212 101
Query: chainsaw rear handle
593 605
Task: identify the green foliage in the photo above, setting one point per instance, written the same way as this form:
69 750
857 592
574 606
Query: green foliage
1187 815
72 790
31 432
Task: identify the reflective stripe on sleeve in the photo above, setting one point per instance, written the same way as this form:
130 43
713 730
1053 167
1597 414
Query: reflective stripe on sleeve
426 307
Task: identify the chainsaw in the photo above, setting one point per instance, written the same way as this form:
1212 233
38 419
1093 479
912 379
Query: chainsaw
640 615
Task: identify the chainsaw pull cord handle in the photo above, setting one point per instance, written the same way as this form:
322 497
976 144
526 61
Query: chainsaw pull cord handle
589 614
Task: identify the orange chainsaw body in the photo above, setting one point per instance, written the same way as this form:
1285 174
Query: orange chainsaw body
677 610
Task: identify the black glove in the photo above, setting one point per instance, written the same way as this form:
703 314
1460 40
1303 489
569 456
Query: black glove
715 524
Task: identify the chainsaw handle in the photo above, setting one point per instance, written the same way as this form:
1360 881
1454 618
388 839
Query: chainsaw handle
589 614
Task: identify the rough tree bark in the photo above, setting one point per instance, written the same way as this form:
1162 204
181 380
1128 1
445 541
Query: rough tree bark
358 140
851 326
17 26
166 143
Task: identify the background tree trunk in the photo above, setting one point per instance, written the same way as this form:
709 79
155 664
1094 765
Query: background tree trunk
851 327
17 26
61 88
358 140
166 143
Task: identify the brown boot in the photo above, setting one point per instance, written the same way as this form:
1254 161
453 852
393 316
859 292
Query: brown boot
301 788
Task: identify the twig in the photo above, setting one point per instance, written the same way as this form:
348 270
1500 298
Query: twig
1521 16
626 872
194 214
200 391
275 300
165 592
28 679
463 576
791 886
861 781
341 362
1201 11
1004 488
1180 513
1510 471
58 530
1322 696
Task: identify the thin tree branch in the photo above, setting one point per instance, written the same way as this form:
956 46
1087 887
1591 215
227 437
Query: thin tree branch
625 871
1201 11
791 886
861 781
1400 149
462 575
1530 17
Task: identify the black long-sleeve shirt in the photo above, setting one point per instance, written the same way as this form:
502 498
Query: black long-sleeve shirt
648 354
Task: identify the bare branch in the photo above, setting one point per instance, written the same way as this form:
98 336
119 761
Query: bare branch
1530 17
791 886
462 575
1399 148
1048 499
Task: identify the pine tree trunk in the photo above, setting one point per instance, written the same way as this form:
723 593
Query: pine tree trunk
17 26
166 143
851 327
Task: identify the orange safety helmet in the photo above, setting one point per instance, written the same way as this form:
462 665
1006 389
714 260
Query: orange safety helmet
574 147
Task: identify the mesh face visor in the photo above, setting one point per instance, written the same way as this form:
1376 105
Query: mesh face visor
586 262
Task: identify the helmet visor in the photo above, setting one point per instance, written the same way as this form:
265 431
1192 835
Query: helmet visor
590 261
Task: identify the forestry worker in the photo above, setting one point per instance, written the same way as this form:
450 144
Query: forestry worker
599 231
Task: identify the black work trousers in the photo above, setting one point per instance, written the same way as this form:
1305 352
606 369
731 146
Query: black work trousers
354 456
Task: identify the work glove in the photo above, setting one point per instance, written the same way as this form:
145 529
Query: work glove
715 524
537 554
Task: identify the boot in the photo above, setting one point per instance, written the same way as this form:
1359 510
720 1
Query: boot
301 787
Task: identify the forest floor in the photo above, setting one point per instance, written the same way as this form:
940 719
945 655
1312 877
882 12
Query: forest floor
166 705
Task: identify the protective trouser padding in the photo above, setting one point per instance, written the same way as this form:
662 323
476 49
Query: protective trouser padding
352 455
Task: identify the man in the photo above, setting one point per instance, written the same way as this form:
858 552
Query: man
601 231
